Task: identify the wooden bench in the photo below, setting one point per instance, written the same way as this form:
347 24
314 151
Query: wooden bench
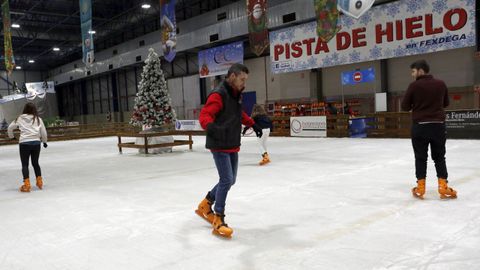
147 146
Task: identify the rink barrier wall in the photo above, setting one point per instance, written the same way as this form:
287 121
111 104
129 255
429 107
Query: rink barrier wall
460 124
337 126
389 125
76 132
379 125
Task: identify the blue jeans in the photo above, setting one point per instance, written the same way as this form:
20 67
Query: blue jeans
227 166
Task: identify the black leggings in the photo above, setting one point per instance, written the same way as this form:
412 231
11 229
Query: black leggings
27 150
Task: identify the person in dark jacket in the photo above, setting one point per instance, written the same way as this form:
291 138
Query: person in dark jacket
222 117
261 118
347 110
331 110
427 97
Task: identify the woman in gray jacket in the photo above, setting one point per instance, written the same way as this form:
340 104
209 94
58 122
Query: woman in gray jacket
32 134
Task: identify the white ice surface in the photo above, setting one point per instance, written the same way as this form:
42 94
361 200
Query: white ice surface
320 204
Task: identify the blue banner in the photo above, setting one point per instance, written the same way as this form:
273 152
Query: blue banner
358 76
217 60
87 34
168 25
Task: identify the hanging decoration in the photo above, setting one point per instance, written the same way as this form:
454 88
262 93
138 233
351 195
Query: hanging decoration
327 19
169 29
7 35
87 32
257 25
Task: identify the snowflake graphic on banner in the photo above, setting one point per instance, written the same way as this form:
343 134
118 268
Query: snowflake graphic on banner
343 59
283 36
393 10
388 53
375 52
470 2
377 12
274 36
335 58
470 39
366 18
312 62
346 21
301 65
421 50
327 61
306 65
414 5
439 6
400 51
354 57
310 27
290 34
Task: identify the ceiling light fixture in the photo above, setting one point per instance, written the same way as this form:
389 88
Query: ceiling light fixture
31 61
15 25
146 6
56 49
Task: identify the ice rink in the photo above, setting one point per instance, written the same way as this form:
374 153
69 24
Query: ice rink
320 204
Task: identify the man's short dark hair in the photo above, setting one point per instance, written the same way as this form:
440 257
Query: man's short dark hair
237 69
420 64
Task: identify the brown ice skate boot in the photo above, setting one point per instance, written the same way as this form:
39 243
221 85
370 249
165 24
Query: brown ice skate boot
419 190
39 182
204 209
219 226
445 191
26 186
265 159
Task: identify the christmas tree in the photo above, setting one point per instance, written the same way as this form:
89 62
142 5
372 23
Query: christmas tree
152 103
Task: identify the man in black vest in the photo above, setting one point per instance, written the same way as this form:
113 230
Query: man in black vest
427 97
222 117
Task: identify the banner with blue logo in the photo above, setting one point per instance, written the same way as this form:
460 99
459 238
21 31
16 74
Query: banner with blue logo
217 60
169 29
308 126
358 76
87 34
187 125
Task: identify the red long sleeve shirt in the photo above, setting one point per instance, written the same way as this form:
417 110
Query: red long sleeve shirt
426 97
209 112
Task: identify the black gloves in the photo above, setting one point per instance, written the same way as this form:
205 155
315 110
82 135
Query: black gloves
245 130
258 130
45 145
216 131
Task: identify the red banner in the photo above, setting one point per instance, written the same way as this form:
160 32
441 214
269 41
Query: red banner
257 25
